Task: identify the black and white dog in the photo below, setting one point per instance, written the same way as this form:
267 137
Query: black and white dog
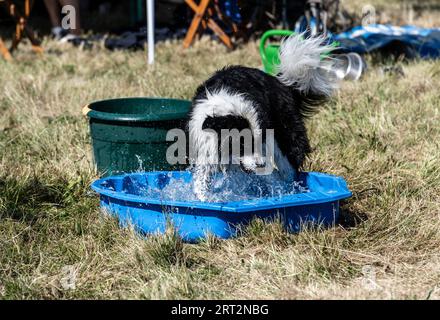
238 97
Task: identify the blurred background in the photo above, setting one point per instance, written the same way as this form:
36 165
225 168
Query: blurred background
115 17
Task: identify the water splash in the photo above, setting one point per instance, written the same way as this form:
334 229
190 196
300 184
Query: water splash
140 163
225 187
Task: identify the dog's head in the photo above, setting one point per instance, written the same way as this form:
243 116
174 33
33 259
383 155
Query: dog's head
224 131
236 142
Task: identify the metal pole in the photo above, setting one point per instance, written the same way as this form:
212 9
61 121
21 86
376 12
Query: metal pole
150 30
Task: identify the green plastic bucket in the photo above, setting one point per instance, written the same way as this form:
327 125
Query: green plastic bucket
129 134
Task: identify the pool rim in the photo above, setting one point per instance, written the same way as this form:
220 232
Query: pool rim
243 206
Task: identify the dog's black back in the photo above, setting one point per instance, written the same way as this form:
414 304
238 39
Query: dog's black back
278 106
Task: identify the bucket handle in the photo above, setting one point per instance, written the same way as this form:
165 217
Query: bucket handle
86 109
266 36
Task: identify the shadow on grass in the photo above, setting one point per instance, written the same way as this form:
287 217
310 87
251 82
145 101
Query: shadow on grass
349 218
28 199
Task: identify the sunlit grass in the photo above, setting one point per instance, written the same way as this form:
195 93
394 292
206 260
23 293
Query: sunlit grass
380 133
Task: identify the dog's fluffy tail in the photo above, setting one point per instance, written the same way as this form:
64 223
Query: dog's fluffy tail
302 67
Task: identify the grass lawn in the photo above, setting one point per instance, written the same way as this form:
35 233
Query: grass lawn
382 134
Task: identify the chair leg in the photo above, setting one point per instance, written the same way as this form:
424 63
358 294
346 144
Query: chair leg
200 11
38 49
21 25
203 20
4 51
220 33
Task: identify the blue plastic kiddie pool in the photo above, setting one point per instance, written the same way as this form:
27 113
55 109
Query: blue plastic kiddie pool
194 220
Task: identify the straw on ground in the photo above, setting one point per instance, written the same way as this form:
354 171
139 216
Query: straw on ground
380 133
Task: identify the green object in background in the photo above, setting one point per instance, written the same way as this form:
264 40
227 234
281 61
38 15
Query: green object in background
270 52
129 134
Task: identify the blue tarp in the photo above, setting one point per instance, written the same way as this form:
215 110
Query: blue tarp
362 39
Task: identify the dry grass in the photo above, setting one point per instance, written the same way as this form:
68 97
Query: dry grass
381 134
423 13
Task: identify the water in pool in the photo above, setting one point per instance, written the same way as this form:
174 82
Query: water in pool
232 186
